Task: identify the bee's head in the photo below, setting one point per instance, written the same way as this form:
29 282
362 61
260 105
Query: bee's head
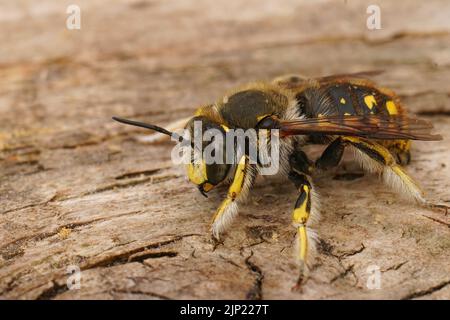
207 165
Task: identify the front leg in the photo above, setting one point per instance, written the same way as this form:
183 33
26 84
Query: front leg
243 178
306 211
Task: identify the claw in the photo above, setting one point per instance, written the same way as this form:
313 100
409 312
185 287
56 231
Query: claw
302 278
216 242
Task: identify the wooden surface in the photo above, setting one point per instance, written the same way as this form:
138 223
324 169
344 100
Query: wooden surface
79 189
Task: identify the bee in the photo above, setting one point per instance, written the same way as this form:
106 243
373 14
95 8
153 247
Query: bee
346 111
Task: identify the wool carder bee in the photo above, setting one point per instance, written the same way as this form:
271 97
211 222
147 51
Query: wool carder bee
340 111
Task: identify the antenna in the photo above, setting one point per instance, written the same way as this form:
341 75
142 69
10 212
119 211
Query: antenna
151 127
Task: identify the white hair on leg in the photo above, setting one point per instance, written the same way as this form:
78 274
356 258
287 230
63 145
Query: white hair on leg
311 233
225 220
402 183
394 176
313 238
367 163
232 208
314 215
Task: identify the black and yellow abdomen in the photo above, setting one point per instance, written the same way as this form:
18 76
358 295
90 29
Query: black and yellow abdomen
348 98
352 97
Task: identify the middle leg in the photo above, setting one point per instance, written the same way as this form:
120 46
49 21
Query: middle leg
305 213
376 158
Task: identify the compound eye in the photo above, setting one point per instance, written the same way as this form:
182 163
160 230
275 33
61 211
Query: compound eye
268 122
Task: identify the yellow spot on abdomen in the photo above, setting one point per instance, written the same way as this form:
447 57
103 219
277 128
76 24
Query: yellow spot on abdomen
342 101
370 101
391 108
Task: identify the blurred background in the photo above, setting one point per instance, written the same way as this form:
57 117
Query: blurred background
78 189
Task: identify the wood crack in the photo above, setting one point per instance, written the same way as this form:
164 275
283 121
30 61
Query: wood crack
425 292
139 292
255 292
127 256
122 258
5 250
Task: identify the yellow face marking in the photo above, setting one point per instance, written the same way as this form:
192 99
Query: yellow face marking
391 107
197 172
370 101
342 101
347 114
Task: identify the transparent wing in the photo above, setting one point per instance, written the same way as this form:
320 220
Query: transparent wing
373 127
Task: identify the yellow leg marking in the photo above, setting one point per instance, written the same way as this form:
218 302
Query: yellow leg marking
406 178
235 188
303 245
225 203
301 213
377 148
300 217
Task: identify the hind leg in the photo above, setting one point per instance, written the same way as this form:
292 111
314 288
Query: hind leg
376 158
400 150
